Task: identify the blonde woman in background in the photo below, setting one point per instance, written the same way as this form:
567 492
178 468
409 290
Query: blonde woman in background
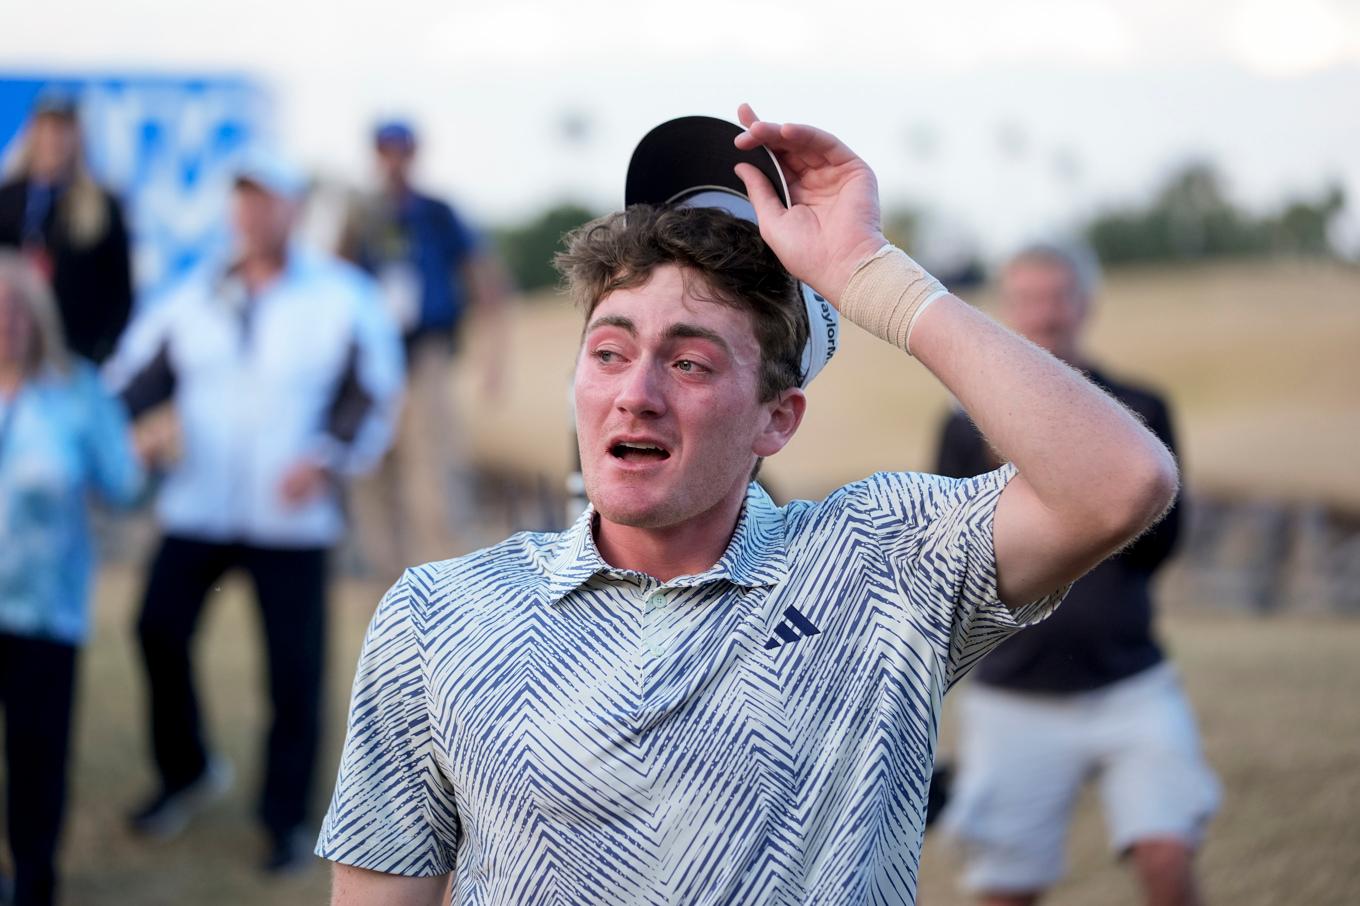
61 438
69 228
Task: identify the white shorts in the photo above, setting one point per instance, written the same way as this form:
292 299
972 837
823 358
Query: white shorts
1023 759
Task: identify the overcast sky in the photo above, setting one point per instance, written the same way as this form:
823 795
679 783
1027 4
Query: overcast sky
1002 117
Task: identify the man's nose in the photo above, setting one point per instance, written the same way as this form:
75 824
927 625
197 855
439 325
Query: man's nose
642 393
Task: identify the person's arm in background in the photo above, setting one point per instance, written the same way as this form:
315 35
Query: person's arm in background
115 472
1091 477
361 417
350 243
1153 548
488 286
141 372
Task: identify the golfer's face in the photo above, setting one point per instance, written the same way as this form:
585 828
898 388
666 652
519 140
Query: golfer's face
667 413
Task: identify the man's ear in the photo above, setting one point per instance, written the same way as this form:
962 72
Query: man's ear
783 416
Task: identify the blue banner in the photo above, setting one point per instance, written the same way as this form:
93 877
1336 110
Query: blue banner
166 145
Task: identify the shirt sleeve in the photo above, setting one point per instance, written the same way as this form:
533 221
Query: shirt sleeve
362 416
393 810
937 535
141 370
114 470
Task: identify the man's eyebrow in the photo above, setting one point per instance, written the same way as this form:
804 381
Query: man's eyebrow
618 321
695 332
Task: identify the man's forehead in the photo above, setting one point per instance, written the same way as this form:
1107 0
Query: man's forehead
672 302
1043 270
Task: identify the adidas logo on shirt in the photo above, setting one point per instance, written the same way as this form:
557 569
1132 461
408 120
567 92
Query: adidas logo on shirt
793 627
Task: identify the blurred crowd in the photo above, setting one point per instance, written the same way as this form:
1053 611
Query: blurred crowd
241 408
283 392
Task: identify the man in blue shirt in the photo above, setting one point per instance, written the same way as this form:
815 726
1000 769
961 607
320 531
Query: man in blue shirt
694 696
434 269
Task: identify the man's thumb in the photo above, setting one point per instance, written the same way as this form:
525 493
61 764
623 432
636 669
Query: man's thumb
763 198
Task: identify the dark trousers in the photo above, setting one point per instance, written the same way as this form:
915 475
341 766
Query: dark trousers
290 585
37 684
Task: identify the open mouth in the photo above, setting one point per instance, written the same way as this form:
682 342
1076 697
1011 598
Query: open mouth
638 451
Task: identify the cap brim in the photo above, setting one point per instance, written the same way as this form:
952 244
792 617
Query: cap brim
693 154
267 186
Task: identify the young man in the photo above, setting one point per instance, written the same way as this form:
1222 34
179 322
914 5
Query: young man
1088 693
693 696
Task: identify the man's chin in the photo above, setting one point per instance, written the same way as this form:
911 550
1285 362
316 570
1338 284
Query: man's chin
636 514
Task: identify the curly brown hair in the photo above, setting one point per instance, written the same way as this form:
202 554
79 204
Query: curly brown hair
620 251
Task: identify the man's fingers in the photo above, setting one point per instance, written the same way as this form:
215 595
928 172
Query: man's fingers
798 145
746 115
758 132
763 196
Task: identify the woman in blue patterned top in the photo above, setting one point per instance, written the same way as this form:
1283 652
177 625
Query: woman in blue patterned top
61 437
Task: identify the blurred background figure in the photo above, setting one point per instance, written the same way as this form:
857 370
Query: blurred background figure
70 228
285 376
1088 693
434 270
61 437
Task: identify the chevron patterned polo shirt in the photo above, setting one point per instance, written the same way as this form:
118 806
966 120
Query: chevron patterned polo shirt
555 730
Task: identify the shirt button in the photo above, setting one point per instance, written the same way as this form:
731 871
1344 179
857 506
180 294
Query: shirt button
657 600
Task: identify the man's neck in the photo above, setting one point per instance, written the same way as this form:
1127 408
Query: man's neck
686 549
50 178
11 378
259 270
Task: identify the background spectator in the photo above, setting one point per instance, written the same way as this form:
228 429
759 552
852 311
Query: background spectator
1087 693
61 437
70 228
285 376
434 270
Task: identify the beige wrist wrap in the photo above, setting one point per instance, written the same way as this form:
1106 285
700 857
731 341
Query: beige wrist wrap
887 293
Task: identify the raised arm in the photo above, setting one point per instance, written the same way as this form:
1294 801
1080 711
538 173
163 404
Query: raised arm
1091 477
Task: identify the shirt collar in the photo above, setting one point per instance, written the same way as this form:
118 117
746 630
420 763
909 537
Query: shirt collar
754 557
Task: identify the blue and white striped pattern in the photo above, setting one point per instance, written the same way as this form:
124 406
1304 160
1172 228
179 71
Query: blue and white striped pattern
560 731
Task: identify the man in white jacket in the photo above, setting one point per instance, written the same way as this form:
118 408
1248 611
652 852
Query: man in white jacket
285 376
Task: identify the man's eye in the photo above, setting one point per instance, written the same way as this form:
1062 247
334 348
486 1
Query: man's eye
605 356
689 366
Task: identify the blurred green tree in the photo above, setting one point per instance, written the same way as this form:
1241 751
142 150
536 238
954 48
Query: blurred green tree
528 248
1191 217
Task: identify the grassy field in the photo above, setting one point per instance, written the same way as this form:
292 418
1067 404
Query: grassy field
1275 697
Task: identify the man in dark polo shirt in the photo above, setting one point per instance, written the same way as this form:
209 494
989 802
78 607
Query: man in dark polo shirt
1088 692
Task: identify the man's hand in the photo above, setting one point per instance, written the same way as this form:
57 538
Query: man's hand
304 480
833 223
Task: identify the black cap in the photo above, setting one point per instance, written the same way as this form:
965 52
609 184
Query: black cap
693 154
690 162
